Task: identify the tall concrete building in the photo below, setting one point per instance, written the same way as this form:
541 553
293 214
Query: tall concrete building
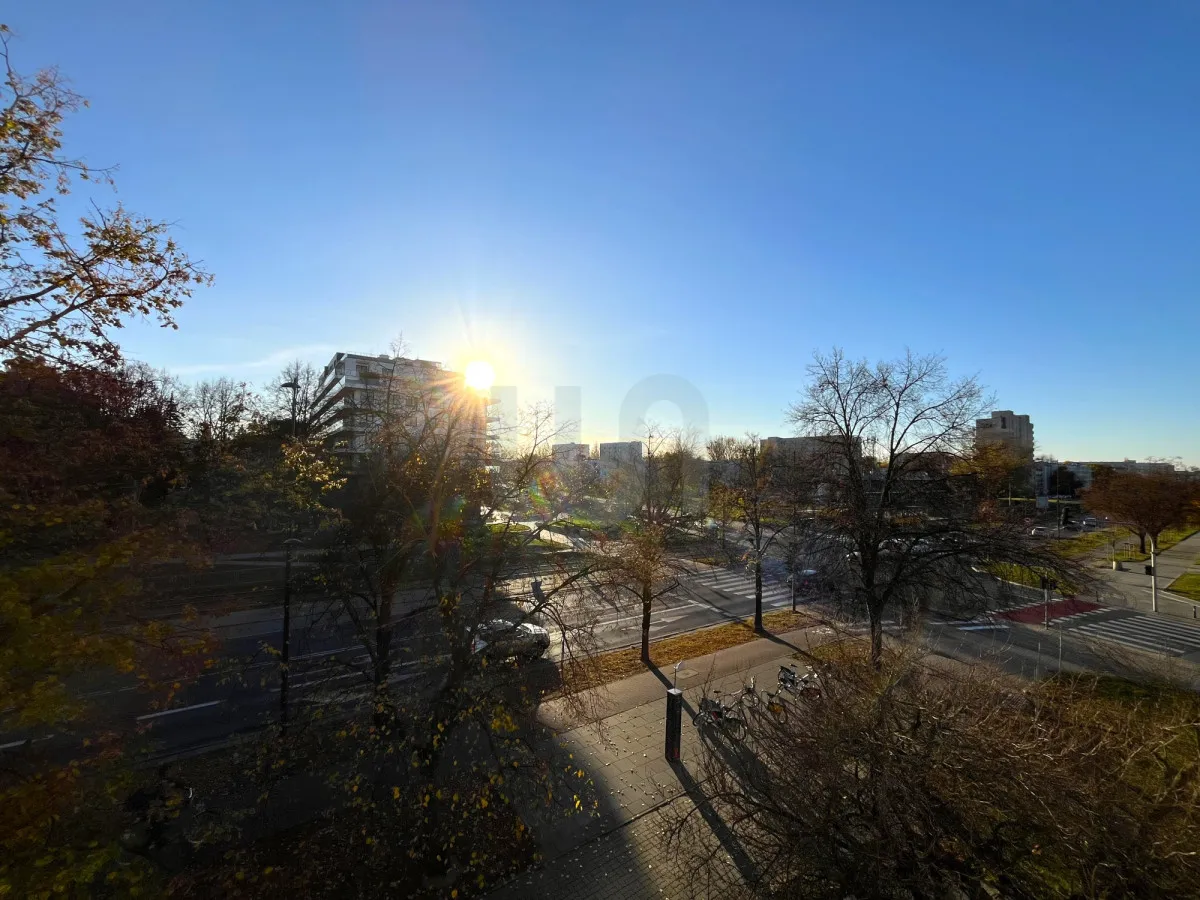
356 392
1006 428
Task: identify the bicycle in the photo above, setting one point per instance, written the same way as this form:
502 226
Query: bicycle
774 703
713 712
796 684
747 696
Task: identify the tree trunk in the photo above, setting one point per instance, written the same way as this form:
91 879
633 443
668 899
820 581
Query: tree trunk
647 599
876 639
758 623
383 655
1141 542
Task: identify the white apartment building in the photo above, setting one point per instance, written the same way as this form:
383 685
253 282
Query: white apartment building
356 390
1007 428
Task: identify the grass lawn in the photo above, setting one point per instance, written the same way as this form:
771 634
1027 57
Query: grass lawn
1024 575
618 664
508 528
1187 585
1088 542
1166 541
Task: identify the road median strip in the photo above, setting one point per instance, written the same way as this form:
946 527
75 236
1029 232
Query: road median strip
605 668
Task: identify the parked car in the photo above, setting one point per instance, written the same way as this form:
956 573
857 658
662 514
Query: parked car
1040 531
502 639
808 581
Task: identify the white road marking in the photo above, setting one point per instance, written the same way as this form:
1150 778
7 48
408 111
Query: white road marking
1142 631
171 712
325 652
14 744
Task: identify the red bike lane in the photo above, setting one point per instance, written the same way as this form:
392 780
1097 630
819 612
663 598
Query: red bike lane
1060 608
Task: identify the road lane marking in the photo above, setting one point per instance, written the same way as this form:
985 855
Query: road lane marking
179 709
326 652
13 744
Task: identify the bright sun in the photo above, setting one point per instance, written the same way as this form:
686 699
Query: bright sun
479 374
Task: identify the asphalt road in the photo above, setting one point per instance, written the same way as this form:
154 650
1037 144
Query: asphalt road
330 669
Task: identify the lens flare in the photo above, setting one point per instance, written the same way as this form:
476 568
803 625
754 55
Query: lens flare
479 375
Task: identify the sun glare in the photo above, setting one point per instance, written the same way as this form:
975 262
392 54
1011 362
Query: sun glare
479 375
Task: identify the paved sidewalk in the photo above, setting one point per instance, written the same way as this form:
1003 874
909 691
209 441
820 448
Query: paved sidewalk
1132 585
618 850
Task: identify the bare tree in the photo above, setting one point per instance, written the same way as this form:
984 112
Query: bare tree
645 563
933 779
217 410
424 563
721 500
418 556
756 498
884 441
277 400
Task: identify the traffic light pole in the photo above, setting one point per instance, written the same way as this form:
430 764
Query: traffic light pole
1153 574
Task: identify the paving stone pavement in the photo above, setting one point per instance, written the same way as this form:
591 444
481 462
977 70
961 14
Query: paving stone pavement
618 850
633 861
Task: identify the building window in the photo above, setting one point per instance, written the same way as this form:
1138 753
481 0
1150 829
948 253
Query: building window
1003 422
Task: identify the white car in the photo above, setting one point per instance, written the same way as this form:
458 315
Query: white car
1040 531
502 639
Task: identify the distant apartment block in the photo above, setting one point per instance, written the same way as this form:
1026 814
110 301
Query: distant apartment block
1006 428
571 454
357 392
809 447
618 455
1084 472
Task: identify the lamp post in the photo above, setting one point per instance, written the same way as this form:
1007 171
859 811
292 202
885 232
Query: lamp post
1153 574
292 386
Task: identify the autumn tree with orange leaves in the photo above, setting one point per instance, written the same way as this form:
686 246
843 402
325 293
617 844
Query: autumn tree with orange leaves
1145 504
91 457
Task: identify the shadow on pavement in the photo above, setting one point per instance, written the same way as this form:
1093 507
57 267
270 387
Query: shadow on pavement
729 841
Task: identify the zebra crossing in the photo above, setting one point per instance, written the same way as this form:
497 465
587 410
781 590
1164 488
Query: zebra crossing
775 594
1140 631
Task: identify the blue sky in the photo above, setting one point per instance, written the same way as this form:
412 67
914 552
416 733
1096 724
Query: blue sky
592 194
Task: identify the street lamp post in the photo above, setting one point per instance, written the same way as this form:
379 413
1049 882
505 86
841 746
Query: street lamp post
1153 574
293 386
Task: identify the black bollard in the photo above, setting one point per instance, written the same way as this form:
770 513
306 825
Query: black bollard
674 723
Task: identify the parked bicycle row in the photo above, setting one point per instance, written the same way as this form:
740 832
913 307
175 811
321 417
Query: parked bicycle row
731 713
